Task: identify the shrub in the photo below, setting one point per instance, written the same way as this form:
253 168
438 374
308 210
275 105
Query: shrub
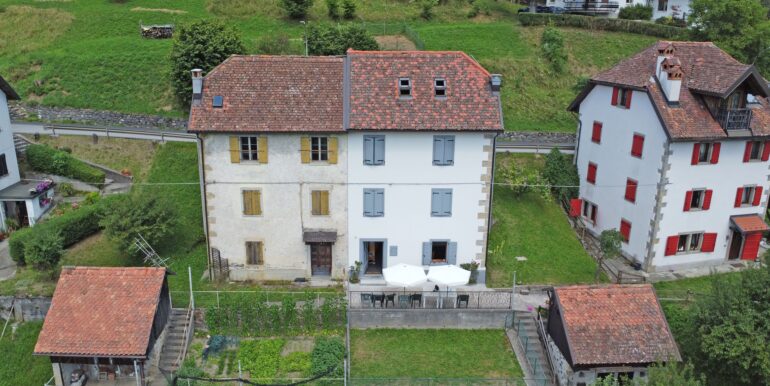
274 45
562 175
552 45
44 249
328 354
670 21
335 40
333 9
202 44
349 9
147 215
426 8
66 189
297 9
521 180
602 23
49 160
636 12
261 358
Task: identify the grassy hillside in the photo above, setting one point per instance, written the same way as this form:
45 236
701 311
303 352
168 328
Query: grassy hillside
89 54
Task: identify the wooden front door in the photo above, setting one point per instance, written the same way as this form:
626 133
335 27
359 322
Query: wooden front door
735 246
321 258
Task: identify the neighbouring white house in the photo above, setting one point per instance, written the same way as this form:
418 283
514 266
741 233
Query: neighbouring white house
310 164
673 149
678 9
22 202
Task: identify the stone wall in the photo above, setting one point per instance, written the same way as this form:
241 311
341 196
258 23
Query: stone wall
427 318
22 112
537 137
24 308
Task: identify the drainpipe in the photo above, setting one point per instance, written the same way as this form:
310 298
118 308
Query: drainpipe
577 140
204 208
491 196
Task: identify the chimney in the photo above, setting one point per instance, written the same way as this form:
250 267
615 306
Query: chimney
197 86
665 49
671 78
496 80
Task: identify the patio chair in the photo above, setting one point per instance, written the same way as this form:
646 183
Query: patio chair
367 300
463 298
390 298
403 301
378 298
416 298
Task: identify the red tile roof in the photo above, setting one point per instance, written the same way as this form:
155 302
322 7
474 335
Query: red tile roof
272 94
750 223
707 71
615 324
104 312
375 104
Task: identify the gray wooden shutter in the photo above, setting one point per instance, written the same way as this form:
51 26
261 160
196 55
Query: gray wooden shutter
446 202
379 202
368 202
438 150
426 252
435 203
451 252
379 150
449 150
368 150
364 258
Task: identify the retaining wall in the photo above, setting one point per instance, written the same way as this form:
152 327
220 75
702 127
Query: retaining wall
24 308
428 318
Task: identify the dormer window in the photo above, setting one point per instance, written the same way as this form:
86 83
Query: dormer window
404 88
218 101
439 87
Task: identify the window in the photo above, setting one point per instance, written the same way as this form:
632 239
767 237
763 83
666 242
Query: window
705 152
621 97
441 203
319 148
254 253
443 150
748 196
596 134
637 145
217 102
374 149
591 176
404 88
3 166
625 230
320 202
754 149
689 243
249 149
589 211
631 186
439 251
252 205
662 5
697 199
439 87
374 202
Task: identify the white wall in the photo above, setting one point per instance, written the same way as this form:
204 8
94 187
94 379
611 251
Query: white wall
7 146
723 178
407 177
616 165
35 210
286 184
684 6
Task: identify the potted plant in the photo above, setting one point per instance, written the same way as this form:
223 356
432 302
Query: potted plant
355 273
473 266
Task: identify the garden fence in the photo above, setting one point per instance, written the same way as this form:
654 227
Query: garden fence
353 381
206 299
406 299
385 29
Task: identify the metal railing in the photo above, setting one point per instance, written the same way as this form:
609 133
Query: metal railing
405 299
529 348
50 382
544 340
102 131
204 299
188 334
734 119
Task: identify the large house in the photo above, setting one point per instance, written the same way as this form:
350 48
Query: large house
673 149
678 9
311 164
21 202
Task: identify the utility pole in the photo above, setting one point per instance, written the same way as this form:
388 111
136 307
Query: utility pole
305 24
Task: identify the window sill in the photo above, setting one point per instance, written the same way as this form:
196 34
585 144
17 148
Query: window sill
380 164
435 164
631 201
252 215
374 216
639 156
320 215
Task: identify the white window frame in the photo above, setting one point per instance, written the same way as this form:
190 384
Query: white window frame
404 88
702 193
757 147
252 151
708 153
319 149
748 192
588 209
688 248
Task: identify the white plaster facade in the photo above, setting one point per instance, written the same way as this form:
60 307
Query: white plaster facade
407 177
285 184
660 8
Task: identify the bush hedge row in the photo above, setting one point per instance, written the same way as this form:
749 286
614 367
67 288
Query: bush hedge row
602 23
49 160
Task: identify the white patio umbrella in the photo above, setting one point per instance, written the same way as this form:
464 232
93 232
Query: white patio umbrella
404 275
448 275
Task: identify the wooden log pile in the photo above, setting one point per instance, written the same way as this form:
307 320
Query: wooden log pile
157 31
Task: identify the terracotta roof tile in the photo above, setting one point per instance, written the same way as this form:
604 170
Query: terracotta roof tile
375 103
750 223
101 312
615 324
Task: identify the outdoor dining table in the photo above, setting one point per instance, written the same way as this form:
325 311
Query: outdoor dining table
441 297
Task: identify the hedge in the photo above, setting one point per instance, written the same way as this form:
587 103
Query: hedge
602 23
49 160
73 226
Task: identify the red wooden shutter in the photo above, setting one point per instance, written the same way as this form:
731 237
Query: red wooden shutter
747 152
751 246
672 242
687 200
591 173
575 205
596 135
709 242
707 199
738 197
631 190
615 91
637 145
625 230
757 195
766 151
629 93
695 153
715 152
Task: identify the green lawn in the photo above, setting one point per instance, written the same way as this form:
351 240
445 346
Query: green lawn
537 229
432 353
19 366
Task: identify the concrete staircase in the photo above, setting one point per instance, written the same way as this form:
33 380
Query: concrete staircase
20 143
175 339
525 329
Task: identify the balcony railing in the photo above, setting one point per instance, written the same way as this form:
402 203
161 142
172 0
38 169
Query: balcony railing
406 299
590 6
734 119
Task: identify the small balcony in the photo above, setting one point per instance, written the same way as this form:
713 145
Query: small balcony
591 7
734 119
